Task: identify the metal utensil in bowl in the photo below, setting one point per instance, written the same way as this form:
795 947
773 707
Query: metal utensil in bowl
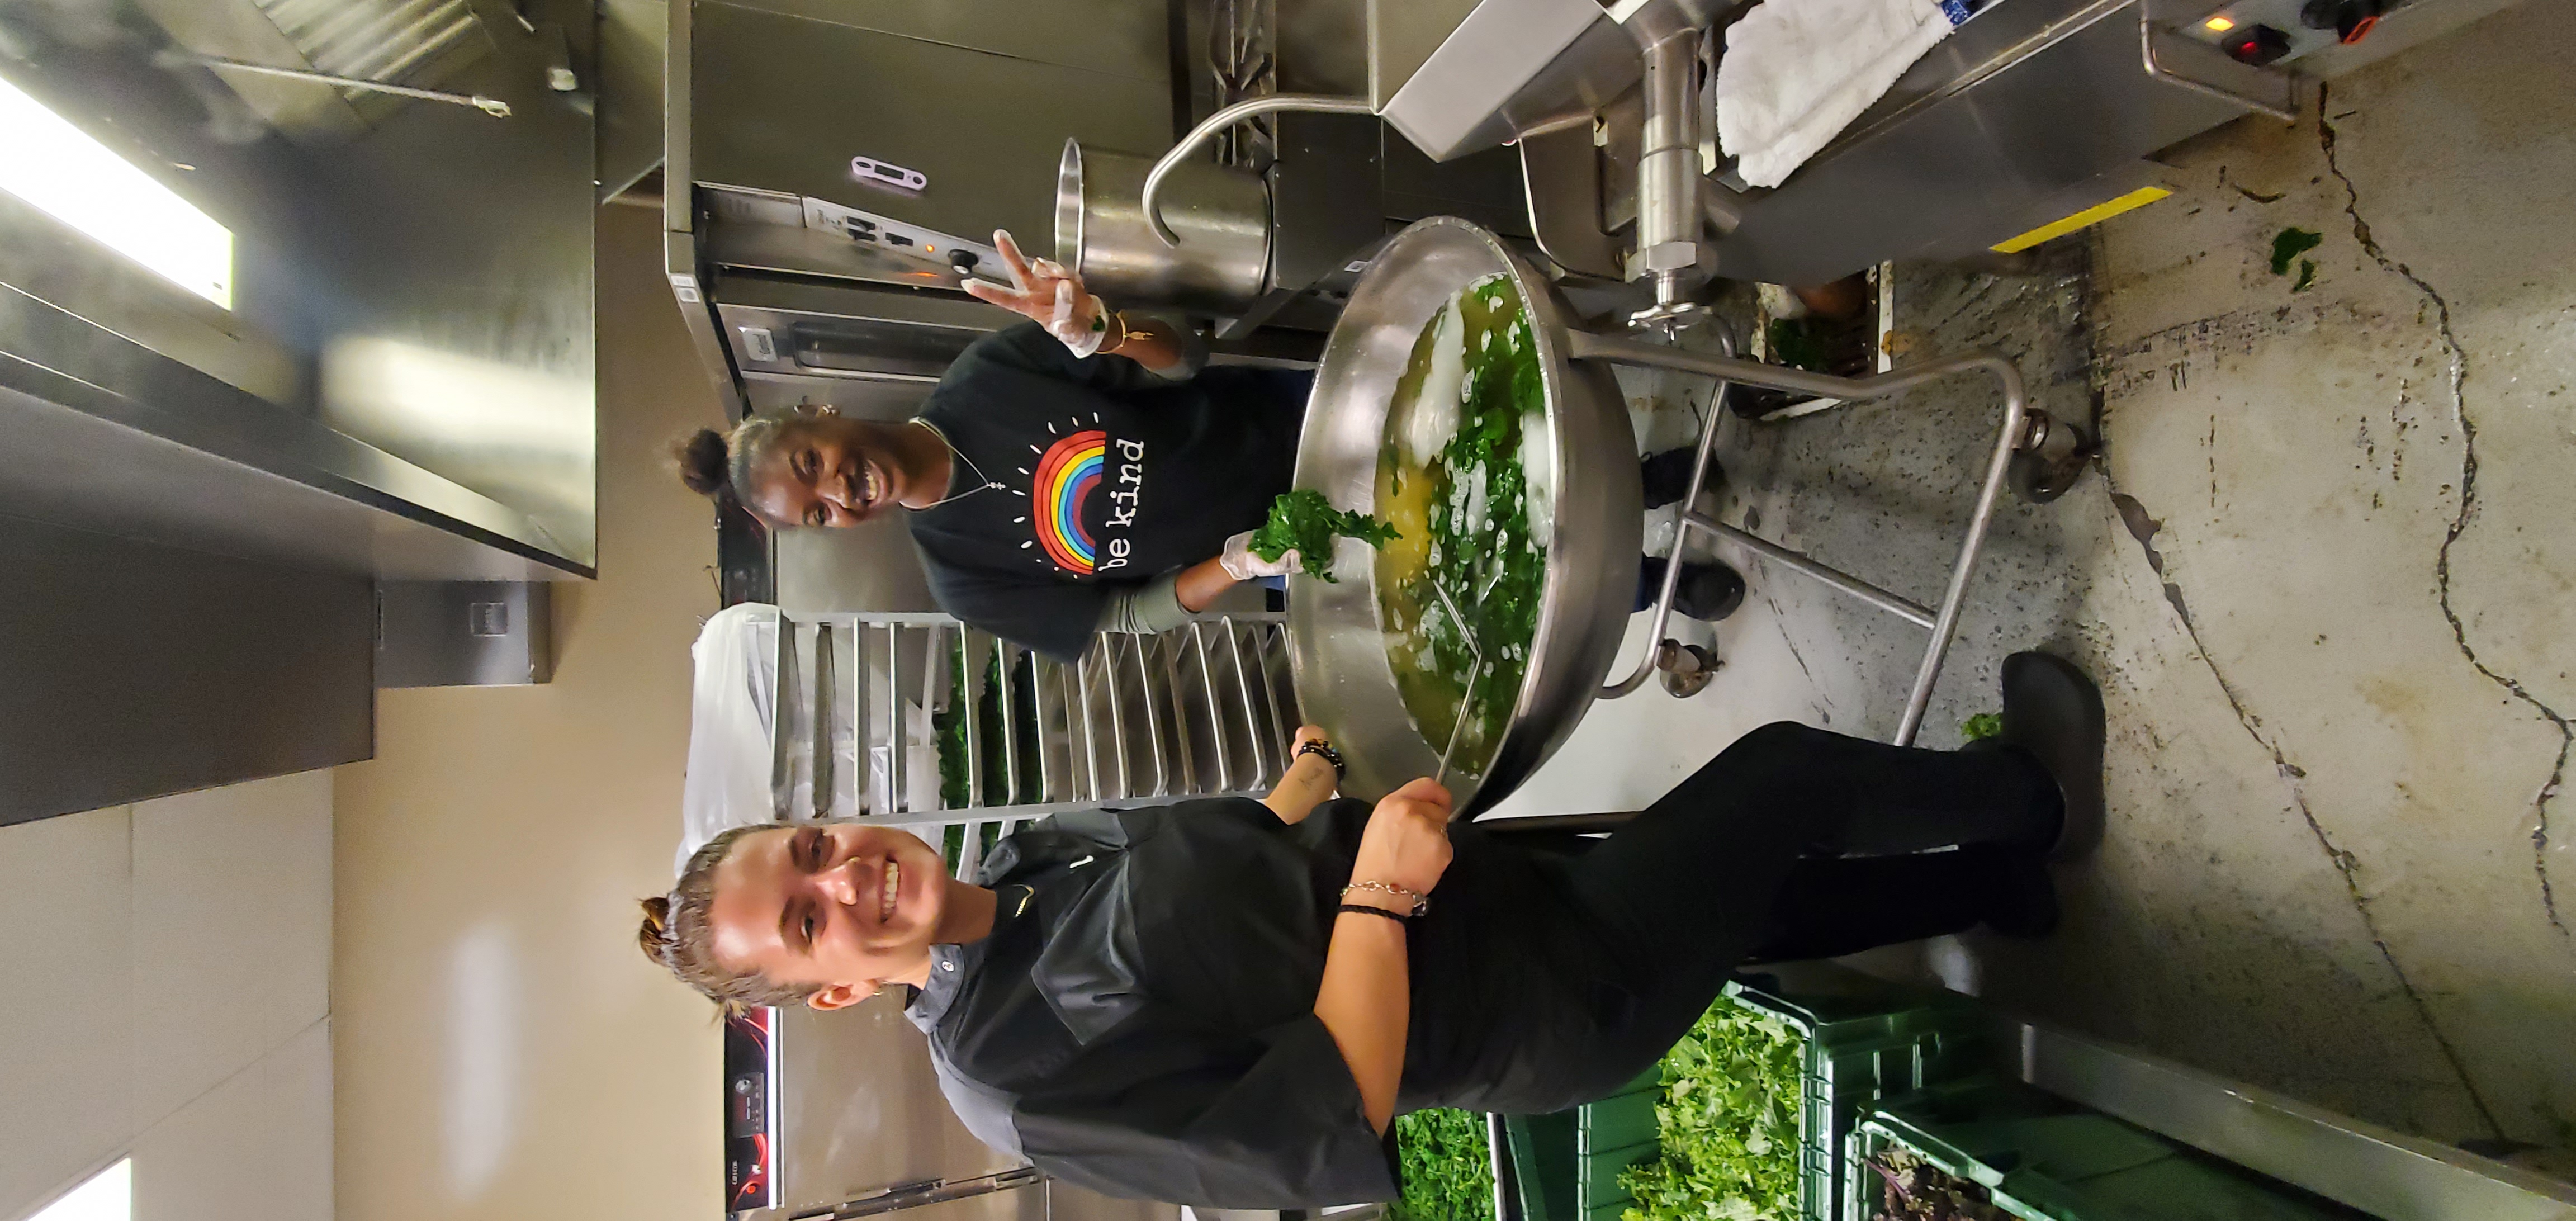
1475 672
1336 644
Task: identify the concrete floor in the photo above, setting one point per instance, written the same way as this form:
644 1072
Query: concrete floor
2323 572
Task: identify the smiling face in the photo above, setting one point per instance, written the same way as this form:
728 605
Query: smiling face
826 470
840 906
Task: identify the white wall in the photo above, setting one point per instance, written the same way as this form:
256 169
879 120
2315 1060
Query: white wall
501 1050
165 994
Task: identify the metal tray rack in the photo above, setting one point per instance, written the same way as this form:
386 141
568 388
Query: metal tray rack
1205 709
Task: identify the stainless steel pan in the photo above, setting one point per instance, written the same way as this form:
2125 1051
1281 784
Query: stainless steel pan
1336 649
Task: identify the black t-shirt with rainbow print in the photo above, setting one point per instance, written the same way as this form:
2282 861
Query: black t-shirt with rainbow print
1107 474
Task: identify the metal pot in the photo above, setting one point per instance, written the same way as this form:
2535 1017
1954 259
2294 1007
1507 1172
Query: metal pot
1336 647
1221 267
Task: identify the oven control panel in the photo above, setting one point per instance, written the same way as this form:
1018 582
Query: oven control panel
751 1110
2266 32
907 240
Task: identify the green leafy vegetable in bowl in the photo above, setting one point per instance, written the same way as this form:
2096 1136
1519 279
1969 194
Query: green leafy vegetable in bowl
1728 1123
1307 522
1468 476
1447 1167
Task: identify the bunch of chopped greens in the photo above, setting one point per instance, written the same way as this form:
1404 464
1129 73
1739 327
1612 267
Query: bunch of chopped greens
1908 1188
1981 726
1728 1123
1483 554
1307 522
1447 1167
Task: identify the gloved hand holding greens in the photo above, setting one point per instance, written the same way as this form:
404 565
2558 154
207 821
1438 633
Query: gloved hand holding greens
1307 522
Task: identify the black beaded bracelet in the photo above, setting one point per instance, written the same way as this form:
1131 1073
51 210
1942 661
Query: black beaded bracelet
1398 917
1317 746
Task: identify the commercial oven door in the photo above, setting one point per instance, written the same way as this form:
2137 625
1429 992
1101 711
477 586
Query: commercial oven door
859 1111
865 349
840 1114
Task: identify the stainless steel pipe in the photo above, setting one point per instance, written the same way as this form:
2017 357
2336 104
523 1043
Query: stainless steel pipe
1208 128
494 107
1668 178
1836 579
1673 567
1584 345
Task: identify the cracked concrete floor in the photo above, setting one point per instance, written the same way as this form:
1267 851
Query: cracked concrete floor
2324 573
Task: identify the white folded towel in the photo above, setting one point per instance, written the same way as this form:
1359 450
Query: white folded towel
1796 72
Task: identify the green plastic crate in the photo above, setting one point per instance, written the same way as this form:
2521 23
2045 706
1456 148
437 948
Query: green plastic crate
1866 1040
1544 1161
2079 1166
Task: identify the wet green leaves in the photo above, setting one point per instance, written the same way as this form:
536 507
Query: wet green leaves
1304 520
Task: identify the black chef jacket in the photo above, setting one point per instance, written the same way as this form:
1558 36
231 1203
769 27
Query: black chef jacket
1108 474
1141 1020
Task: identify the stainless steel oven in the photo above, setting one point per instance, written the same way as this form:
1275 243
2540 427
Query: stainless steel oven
836 169
838 1115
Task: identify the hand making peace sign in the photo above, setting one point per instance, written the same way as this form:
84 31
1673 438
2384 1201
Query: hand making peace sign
1047 293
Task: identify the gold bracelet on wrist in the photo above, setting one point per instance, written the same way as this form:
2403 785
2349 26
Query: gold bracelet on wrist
1419 902
1117 322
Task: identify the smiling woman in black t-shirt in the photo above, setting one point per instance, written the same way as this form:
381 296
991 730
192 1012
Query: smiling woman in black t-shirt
1073 473
1076 473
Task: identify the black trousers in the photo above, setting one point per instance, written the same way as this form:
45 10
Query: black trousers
1696 883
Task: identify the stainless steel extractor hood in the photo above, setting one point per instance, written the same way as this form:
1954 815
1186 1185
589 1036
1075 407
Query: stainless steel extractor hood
840 150
822 209
401 380
378 367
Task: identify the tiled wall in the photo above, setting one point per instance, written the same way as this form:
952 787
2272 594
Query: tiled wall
165 994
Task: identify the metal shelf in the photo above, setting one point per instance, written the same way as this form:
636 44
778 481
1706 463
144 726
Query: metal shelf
1206 709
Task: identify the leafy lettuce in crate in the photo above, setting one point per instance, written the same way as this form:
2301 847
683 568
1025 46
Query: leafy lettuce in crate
1728 1123
1448 1168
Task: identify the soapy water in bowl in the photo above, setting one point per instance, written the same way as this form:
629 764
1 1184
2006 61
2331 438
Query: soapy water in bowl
1467 476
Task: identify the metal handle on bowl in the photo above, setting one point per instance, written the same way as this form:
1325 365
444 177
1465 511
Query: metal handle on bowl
1944 621
1208 128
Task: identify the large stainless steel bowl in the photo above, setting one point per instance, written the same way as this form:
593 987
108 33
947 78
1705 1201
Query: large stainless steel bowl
1336 647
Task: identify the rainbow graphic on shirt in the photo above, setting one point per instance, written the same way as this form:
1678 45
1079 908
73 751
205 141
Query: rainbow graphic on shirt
1061 488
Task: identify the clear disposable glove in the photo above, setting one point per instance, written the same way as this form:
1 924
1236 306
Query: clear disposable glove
1047 293
1239 562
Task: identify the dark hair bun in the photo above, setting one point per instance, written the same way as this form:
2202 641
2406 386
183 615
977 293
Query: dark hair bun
654 934
701 457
